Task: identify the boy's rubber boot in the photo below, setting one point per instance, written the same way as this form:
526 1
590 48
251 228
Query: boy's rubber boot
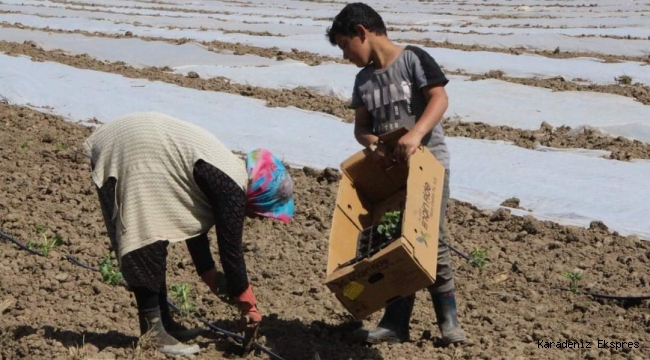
444 305
393 326
173 328
150 321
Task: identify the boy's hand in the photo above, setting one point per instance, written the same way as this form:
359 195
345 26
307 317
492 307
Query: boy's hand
406 146
382 156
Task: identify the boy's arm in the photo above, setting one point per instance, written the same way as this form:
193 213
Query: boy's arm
430 79
437 102
362 121
363 127
365 137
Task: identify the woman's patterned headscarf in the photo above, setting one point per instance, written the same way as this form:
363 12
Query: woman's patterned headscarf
270 188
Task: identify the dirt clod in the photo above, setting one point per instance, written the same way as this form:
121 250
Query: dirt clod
501 214
511 202
598 225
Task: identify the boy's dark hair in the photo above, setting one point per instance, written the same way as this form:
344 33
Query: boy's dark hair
352 15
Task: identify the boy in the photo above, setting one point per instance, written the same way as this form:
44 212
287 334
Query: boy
399 87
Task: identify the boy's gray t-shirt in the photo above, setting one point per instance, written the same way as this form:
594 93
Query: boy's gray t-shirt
394 98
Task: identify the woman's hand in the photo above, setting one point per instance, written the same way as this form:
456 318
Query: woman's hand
216 281
247 305
250 317
246 301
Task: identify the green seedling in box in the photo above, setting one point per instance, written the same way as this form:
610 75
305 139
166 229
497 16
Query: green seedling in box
109 274
574 277
390 225
181 294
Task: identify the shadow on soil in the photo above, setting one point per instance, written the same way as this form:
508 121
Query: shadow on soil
289 339
71 338
294 340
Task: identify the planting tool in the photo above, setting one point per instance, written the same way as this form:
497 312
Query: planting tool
250 333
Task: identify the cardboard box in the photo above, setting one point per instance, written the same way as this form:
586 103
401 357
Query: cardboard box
366 193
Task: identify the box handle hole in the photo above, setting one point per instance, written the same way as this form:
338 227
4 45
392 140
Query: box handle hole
375 277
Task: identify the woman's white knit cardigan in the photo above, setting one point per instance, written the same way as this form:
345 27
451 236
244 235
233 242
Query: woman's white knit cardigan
152 156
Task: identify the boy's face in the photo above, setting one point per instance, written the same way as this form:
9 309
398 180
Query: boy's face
355 49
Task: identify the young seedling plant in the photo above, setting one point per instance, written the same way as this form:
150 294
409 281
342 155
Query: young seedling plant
46 244
574 278
61 146
181 294
390 225
109 274
479 257
624 80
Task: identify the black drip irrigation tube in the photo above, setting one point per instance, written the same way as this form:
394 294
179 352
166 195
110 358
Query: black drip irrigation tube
72 259
628 298
212 327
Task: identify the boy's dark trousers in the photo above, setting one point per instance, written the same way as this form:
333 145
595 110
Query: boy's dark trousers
394 326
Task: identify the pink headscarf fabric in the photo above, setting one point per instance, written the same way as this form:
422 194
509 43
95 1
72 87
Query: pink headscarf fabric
270 187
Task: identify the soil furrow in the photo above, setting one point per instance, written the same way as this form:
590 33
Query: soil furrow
170 9
298 97
556 54
307 57
561 137
621 148
618 37
625 87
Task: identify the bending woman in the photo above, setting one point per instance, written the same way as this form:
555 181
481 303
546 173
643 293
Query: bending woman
160 180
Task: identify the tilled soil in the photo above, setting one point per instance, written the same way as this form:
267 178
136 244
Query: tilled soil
52 309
